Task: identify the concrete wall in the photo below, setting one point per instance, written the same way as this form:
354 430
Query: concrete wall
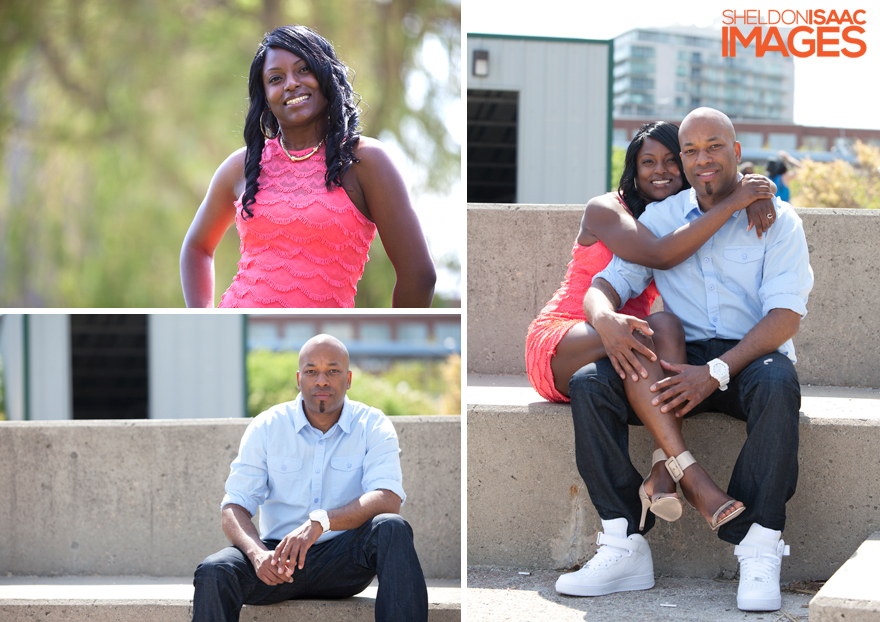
142 497
528 507
517 255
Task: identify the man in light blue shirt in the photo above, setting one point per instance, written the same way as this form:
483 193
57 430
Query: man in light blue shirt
325 473
739 300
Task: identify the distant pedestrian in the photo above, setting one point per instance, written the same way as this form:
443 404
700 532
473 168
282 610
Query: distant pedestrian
782 170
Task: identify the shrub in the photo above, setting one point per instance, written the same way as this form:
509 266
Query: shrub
407 388
839 183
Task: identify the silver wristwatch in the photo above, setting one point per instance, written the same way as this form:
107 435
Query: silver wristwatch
320 516
719 370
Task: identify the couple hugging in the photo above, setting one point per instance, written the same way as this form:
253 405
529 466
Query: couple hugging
733 300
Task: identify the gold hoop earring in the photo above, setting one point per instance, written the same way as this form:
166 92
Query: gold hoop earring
263 126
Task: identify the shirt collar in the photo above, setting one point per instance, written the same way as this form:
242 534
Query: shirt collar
692 204
300 420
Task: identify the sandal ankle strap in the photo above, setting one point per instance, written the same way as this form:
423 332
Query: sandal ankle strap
677 464
659 456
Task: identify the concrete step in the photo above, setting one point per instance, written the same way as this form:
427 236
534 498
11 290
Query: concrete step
502 594
852 594
528 508
169 599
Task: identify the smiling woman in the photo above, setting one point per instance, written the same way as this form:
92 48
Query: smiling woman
307 193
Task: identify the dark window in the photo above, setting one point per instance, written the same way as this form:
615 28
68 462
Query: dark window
492 118
109 366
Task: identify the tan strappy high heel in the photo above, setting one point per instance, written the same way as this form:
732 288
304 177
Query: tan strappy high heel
676 466
665 505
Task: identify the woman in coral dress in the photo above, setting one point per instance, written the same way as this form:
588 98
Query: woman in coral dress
560 341
307 193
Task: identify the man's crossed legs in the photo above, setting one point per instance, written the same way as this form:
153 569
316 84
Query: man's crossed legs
338 568
766 395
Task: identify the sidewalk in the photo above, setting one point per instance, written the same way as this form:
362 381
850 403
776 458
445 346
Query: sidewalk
499 595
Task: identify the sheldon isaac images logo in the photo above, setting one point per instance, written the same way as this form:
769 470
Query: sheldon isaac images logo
794 32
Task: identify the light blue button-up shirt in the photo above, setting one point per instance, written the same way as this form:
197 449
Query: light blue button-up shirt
733 281
287 468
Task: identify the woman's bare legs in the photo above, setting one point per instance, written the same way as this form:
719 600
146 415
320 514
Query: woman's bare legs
581 346
668 344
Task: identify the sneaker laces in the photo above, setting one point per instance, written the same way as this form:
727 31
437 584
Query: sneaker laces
760 563
606 555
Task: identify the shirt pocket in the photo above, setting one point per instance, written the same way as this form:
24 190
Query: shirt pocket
283 470
346 472
743 267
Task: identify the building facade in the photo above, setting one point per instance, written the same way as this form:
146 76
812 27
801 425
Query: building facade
538 119
664 73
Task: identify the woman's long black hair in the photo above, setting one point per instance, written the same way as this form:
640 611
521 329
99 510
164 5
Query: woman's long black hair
663 132
333 78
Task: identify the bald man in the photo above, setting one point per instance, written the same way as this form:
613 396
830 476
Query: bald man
740 300
325 473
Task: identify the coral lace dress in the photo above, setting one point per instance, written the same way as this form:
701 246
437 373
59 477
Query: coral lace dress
566 309
304 246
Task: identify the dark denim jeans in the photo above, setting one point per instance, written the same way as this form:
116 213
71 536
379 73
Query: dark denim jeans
766 395
338 568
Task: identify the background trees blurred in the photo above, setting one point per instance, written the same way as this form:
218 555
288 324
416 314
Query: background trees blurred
409 387
839 183
114 116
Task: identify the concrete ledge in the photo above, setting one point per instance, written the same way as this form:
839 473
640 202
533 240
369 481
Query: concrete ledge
852 594
528 508
517 255
143 497
145 599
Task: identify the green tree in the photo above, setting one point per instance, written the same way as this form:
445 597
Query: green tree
116 114
618 158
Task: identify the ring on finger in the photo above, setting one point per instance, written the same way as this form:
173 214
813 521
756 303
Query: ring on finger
770 216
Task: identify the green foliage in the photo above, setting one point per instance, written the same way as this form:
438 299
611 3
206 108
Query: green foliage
839 183
451 400
271 379
618 157
407 388
115 115
389 397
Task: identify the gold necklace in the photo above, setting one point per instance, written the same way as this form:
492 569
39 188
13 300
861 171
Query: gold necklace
299 158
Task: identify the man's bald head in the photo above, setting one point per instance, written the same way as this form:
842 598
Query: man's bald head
703 117
323 342
709 155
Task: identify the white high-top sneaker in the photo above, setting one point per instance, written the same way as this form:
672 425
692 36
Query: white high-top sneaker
621 564
760 559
